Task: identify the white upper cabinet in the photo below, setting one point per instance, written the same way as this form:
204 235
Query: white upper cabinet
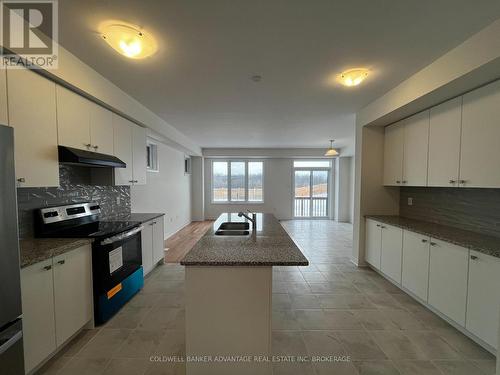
416 144
373 243
139 155
444 143
393 154
32 112
416 263
4 118
83 124
101 129
483 298
122 130
480 154
392 252
73 119
448 270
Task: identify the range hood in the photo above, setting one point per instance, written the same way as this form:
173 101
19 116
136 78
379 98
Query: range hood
74 156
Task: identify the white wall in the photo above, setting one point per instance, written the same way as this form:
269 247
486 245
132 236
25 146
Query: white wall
197 188
167 191
277 191
343 189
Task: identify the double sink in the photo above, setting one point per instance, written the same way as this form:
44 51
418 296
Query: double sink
233 229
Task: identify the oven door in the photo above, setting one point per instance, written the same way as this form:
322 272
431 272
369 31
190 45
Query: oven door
115 258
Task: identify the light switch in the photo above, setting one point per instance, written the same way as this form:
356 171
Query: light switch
410 201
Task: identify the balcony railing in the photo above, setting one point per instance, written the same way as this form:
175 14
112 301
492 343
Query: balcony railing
311 207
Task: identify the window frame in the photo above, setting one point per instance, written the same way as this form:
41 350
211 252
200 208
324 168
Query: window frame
153 146
229 161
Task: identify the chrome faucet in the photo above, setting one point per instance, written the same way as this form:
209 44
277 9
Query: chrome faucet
253 219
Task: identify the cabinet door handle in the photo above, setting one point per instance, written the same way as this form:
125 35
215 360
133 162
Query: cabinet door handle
61 262
452 181
151 224
398 182
433 244
404 181
131 181
383 227
47 268
463 182
473 257
424 240
21 180
88 145
95 147
378 225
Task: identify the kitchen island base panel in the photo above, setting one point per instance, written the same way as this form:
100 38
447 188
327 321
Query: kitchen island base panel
228 313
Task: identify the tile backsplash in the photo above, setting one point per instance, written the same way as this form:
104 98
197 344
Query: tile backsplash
75 186
476 210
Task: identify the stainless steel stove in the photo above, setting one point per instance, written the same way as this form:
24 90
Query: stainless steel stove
116 251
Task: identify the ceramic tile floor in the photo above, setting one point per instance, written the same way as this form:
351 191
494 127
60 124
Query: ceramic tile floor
329 308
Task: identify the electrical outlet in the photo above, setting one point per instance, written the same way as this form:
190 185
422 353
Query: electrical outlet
410 201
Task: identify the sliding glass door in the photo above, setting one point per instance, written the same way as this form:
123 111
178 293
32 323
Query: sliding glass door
311 192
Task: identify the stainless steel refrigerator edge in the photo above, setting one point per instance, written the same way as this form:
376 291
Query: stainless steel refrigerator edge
11 343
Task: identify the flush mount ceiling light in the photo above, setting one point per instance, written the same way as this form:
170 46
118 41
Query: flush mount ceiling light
331 151
128 40
353 77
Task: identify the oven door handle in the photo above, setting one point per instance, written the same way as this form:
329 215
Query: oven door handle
122 236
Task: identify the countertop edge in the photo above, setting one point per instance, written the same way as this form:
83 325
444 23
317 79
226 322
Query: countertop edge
473 244
42 252
244 264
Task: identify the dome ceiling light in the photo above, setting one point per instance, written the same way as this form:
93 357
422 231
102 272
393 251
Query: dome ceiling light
128 40
331 151
353 77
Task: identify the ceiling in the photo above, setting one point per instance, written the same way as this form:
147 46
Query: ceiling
200 79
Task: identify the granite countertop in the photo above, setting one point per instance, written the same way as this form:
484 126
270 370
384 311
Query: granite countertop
482 243
269 245
37 250
138 217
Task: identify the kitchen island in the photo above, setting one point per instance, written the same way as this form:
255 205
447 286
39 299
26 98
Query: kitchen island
228 296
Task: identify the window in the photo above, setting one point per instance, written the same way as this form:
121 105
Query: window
311 188
187 165
152 157
311 164
237 181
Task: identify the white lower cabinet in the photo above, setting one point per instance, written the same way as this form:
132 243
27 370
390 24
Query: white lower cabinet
57 302
448 268
72 292
392 252
158 240
153 244
483 301
373 243
147 248
39 329
415 274
462 284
